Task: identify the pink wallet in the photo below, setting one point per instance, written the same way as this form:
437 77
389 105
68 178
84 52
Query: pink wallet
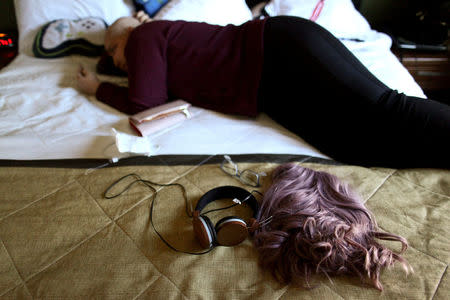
160 117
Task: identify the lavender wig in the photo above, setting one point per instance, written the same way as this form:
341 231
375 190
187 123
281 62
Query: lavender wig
318 226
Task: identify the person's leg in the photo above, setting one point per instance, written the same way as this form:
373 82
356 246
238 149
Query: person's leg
315 87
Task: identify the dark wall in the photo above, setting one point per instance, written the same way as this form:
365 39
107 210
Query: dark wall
382 12
421 21
7 15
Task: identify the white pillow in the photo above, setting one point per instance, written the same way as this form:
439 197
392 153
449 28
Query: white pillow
218 12
33 14
338 16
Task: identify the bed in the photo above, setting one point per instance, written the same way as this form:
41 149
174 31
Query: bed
61 239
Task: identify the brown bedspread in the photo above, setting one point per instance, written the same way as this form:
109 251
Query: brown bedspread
60 238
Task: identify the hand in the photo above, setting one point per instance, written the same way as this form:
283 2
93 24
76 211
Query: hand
87 81
142 17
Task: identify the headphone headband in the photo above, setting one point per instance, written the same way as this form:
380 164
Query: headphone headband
228 191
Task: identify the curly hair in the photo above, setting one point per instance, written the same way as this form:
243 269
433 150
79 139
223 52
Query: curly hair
320 226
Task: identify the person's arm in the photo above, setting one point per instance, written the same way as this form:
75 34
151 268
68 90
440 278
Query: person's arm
143 96
108 93
87 82
142 17
147 67
147 77
117 97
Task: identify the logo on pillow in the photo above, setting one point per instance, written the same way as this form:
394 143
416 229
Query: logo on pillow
65 37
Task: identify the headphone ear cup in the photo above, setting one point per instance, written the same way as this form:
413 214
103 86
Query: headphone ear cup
231 231
204 231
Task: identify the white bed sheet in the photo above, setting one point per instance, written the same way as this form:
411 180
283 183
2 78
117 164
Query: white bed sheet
43 116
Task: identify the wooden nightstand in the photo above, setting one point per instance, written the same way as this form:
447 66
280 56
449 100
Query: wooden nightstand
431 70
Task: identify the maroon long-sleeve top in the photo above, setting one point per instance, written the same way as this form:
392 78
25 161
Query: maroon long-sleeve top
210 66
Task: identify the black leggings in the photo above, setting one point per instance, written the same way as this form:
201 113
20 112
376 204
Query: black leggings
315 87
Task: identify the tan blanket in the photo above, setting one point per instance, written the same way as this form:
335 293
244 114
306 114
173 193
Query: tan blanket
60 238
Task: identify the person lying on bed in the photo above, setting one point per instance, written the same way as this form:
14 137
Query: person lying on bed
290 68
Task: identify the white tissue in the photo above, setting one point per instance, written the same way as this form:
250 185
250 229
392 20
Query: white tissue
127 143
